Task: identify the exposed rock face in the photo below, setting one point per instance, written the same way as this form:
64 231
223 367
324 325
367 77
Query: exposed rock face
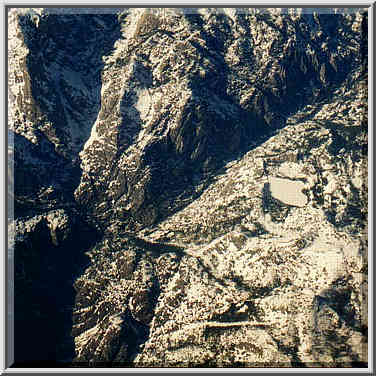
194 182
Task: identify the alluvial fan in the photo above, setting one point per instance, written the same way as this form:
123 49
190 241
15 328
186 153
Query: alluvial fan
190 186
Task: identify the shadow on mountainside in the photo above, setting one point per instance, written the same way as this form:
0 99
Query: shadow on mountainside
44 297
43 180
64 64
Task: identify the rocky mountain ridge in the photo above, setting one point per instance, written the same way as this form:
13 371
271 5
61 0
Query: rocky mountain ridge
215 161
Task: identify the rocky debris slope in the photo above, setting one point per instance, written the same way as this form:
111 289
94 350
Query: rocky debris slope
221 156
116 297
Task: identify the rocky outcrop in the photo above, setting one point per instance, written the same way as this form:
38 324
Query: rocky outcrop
220 156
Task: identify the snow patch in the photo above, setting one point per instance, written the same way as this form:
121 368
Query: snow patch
288 191
291 170
134 17
143 103
94 136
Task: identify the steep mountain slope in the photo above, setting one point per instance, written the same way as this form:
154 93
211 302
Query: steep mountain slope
217 158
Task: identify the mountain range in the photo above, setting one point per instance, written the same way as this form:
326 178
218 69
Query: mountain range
188 186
